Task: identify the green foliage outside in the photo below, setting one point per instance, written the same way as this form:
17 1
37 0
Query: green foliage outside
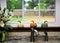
14 4
14 19
17 4
44 4
32 4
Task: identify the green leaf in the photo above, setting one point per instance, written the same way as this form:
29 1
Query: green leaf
7 27
3 36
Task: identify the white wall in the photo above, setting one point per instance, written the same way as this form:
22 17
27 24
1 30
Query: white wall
0 3
3 4
58 12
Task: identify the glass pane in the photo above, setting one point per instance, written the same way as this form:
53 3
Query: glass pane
16 6
47 10
47 16
30 12
17 16
31 15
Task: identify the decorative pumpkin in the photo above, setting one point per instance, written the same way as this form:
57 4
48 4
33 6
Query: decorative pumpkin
20 25
44 25
33 24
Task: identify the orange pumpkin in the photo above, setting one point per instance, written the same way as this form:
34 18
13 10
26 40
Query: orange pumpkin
32 25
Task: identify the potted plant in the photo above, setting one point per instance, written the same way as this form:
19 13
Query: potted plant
4 27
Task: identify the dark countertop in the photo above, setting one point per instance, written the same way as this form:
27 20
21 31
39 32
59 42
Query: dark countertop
28 29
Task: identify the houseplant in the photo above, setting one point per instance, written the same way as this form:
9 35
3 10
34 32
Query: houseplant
4 27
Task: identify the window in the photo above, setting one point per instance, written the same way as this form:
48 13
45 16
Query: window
37 10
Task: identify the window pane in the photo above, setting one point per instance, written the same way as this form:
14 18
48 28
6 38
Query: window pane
31 15
30 12
47 10
16 6
17 16
47 16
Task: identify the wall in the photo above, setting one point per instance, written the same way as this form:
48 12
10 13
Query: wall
0 3
58 12
3 4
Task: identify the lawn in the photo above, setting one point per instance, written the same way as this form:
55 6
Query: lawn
14 19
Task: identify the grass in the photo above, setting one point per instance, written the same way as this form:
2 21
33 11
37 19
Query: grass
35 18
14 19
